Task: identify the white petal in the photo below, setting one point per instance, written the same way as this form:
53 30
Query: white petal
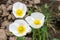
28 29
12 27
29 19
38 15
19 35
19 21
19 5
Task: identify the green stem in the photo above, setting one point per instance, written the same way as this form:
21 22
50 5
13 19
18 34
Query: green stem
39 34
44 36
33 34
19 38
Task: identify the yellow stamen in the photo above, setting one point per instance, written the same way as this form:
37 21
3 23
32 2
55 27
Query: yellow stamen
21 29
19 12
37 22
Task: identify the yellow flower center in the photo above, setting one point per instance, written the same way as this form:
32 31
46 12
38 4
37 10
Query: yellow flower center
19 12
21 29
37 22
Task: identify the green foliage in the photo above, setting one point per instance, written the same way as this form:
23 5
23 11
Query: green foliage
20 38
55 39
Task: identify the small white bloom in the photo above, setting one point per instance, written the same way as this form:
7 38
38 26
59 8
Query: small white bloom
19 9
36 20
19 28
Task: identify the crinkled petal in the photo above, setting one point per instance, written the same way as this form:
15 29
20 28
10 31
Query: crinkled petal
19 5
38 15
12 27
30 19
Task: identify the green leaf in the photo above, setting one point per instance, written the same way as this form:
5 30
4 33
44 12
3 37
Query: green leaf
20 38
55 39
44 28
29 12
44 32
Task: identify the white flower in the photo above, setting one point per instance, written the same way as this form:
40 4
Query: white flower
19 9
36 20
19 28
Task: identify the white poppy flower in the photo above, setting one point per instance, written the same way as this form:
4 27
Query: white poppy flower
19 9
19 28
36 20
